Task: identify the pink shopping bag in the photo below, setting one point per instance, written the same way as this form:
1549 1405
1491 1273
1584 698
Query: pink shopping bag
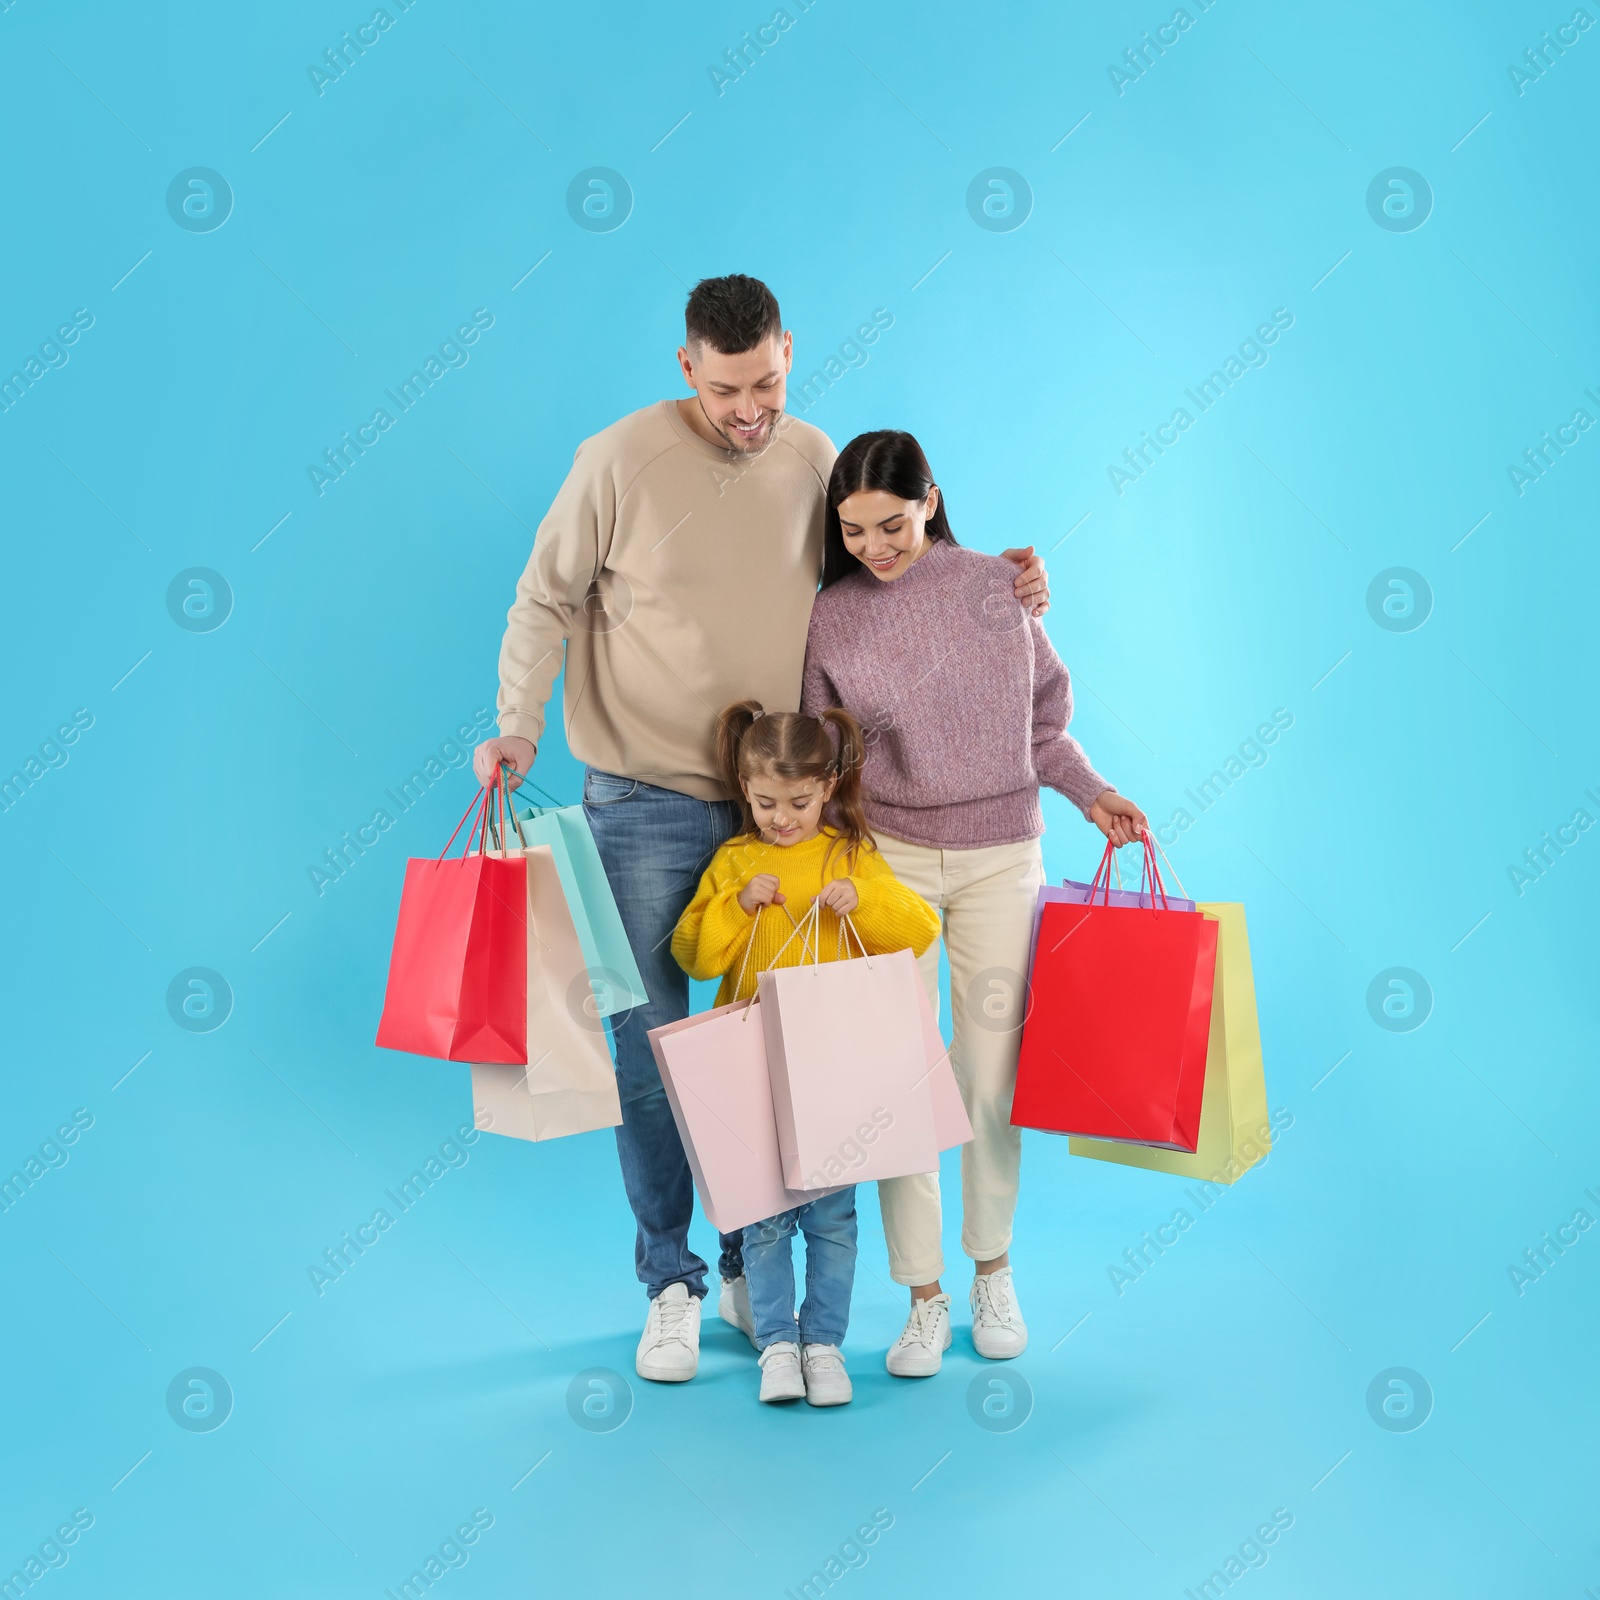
951 1125
847 1057
714 1069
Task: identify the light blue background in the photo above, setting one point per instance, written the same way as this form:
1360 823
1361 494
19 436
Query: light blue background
1166 223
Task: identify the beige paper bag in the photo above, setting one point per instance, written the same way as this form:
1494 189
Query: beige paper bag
569 1084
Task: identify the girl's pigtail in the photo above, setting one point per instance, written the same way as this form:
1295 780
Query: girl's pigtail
849 814
733 723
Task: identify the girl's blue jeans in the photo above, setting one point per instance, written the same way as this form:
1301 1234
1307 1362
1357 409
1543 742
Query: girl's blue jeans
829 1226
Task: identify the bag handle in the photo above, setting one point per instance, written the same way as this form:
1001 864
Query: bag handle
749 945
527 782
1156 885
509 808
477 802
845 922
799 927
1150 875
1173 870
479 812
488 824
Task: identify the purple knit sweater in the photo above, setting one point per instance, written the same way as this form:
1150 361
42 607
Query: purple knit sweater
964 702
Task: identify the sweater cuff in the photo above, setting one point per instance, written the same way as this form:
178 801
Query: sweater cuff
1087 790
521 725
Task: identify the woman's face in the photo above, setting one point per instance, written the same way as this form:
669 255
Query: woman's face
884 533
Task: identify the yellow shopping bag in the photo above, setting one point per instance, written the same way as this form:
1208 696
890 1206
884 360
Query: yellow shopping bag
1235 1131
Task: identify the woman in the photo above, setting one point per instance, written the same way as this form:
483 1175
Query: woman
965 707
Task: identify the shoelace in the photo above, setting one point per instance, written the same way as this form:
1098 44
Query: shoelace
996 1297
919 1330
671 1319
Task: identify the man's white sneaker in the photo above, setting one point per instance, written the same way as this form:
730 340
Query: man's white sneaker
733 1306
781 1377
827 1383
998 1330
919 1351
669 1352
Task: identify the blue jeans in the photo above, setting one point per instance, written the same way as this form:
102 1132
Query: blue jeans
654 844
829 1225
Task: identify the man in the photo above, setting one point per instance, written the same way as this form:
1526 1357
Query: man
677 567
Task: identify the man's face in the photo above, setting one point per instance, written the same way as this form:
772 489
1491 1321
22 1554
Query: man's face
741 396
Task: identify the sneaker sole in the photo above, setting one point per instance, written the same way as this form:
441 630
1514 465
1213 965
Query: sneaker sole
920 1366
661 1375
835 1400
782 1399
1000 1354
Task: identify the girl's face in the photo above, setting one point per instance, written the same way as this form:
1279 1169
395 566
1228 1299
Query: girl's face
884 533
787 810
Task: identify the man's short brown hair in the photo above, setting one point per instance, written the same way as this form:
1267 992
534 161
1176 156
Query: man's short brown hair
731 314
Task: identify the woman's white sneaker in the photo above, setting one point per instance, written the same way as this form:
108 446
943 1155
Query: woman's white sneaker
998 1330
781 1377
669 1352
827 1383
919 1351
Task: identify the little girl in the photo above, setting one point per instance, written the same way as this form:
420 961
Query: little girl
785 771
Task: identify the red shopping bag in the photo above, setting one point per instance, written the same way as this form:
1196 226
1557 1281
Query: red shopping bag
1114 1045
458 974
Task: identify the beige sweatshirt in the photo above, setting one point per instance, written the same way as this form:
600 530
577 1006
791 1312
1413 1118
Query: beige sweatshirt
680 577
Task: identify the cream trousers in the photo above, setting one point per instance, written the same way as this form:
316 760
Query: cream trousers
986 900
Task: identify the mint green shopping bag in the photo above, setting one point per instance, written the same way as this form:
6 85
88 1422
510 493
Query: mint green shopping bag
613 972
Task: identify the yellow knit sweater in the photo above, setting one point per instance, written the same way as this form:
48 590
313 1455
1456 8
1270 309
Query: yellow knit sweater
712 935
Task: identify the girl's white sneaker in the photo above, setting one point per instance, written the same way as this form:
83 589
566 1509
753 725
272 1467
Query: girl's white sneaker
998 1330
919 1351
827 1383
781 1377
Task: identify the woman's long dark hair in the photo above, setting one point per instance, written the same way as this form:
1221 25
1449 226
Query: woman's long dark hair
888 460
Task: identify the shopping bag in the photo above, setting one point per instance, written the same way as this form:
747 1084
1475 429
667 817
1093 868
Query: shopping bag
951 1125
1235 1132
568 1084
714 1069
458 967
613 971
848 1062
1072 893
1114 1044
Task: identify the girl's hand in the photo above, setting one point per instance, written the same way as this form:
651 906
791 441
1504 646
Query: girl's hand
762 890
1031 586
839 897
1118 818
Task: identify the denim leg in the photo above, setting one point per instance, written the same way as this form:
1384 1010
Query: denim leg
829 1225
769 1273
654 844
